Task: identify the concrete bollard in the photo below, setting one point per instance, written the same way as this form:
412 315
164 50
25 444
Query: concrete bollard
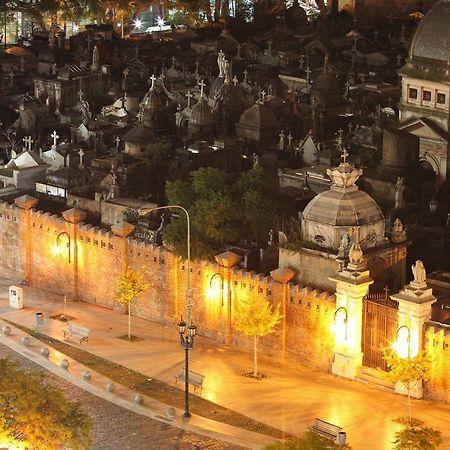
171 412
110 387
6 330
64 364
25 341
86 375
45 352
139 399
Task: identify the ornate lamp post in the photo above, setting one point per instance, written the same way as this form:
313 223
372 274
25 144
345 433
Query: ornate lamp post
187 335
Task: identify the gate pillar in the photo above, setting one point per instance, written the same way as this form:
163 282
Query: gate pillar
414 309
352 285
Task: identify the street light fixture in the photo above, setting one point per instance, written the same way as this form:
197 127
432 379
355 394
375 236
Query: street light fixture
187 335
186 340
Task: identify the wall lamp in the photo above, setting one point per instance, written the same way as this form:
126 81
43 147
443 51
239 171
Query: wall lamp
341 327
57 248
217 274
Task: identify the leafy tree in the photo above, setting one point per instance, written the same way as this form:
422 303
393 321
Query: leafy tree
256 317
309 441
417 438
222 207
407 371
36 415
130 286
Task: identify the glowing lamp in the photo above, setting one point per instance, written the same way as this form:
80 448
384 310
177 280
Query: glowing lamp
160 22
138 24
76 28
403 344
216 287
340 324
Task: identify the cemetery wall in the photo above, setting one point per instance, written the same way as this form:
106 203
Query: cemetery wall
437 344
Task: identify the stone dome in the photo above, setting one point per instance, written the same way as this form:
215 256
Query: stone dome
231 97
326 82
258 116
201 113
296 15
154 100
432 37
343 209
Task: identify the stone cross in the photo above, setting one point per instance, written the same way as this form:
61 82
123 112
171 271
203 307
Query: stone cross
55 136
81 154
347 87
235 80
350 128
344 155
245 75
302 61
173 61
399 59
362 77
152 80
340 135
81 94
28 141
263 96
308 74
140 116
197 65
161 77
202 85
289 138
118 140
189 95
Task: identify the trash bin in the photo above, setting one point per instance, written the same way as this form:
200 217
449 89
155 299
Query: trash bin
39 320
341 438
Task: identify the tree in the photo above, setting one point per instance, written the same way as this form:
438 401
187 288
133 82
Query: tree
36 415
407 371
417 438
309 441
130 286
256 317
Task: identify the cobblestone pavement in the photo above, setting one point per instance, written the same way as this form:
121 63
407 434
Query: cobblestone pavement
116 428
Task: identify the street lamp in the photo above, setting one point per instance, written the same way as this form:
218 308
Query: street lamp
186 340
57 248
187 335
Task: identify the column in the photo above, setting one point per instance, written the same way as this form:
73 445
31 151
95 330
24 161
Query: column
283 276
123 230
414 309
227 260
27 202
73 217
352 285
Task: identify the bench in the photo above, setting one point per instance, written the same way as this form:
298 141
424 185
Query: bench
194 378
329 431
76 331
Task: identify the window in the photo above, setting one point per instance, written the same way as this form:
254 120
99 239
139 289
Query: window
413 93
426 96
440 99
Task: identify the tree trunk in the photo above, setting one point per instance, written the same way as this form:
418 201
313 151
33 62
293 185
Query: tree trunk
216 10
129 321
255 356
409 402
323 8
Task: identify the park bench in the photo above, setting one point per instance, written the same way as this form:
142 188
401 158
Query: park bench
329 431
194 378
76 331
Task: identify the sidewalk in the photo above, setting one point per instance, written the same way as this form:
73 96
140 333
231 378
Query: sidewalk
289 399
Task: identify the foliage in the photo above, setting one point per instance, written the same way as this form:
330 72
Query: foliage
36 415
256 317
417 438
130 286
309 441
222 207
407 371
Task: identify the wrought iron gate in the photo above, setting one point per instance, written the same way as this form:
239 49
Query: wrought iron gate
379 328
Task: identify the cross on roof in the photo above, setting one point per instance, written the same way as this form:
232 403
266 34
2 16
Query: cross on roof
28 141
189 95
118 140
235 80
153 79
344 155
202 85
55 136
289 139
263 95
245 74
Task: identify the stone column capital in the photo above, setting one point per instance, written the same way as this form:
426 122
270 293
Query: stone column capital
26 202
74 215
227 259
122 229
283 275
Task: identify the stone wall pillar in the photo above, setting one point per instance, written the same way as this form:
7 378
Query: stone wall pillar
283 276
27 202
228 260
73 217
352 284
123 230
414 309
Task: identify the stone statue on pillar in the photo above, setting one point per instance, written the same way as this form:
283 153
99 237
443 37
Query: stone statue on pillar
420 275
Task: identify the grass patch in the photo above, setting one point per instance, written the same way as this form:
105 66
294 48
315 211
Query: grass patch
156 389
131 339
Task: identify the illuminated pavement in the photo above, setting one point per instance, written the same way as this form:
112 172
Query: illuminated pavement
290 399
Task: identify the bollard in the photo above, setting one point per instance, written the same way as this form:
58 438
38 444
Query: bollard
6 330
110 387
64 364
86 375
45 352
25 341
171 412
139 399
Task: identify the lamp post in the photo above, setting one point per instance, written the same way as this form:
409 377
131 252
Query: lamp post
187 335
187 340
64 233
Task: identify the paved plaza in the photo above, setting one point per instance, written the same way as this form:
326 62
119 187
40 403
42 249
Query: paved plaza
290 399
